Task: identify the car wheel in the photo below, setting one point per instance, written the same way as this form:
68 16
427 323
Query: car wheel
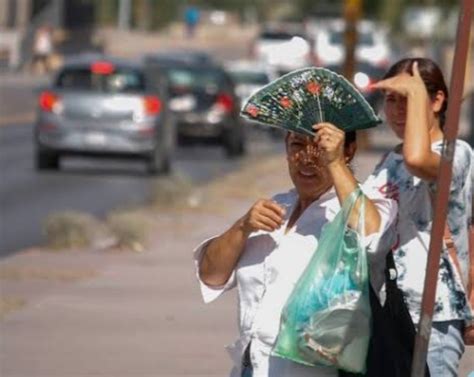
158 163
234 145
47 160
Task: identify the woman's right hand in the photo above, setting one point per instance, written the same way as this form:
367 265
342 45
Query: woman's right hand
404 84
264 215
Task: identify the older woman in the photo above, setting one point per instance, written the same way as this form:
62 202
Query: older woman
267 249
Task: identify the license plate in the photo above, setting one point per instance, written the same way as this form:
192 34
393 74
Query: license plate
95 138
183 103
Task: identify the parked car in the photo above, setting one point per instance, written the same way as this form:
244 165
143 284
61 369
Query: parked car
249 76
204 102
104 107
183 56
373 45
283 48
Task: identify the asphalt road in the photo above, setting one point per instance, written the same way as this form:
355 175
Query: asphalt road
95 186
27 197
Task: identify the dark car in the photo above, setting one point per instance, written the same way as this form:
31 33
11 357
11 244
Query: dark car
185 56
104 107
204 102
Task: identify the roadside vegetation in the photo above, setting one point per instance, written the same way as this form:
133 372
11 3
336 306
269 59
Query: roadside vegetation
129 229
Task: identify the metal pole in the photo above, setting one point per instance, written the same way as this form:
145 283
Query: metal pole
442 193
124 14
471 120
352 11
352 15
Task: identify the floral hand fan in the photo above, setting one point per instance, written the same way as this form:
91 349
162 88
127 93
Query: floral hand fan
302 98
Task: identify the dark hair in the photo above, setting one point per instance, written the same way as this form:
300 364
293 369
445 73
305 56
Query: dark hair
351 137
432 77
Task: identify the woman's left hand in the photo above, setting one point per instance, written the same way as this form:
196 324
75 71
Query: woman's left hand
330 142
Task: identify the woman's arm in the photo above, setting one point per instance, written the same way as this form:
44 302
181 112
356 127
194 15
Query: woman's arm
330 140
419 159
223 253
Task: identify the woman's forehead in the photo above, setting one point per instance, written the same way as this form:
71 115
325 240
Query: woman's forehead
391 93
298 137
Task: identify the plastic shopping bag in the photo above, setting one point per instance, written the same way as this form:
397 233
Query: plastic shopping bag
326 320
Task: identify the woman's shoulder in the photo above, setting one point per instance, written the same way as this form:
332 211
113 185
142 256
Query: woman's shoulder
388 158
463 162
462 148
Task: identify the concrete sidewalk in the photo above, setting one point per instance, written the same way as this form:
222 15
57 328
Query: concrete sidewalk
109 313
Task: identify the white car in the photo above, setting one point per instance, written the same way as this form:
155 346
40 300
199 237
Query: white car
283 49
372 47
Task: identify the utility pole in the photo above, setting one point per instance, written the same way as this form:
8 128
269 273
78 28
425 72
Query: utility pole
352 14
442 191
125 8
23 14
144 14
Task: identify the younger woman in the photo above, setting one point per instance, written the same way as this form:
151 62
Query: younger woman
415 105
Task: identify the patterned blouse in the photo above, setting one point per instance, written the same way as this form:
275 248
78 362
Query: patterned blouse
409 237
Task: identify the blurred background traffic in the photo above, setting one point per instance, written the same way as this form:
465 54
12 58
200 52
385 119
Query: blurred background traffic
98 96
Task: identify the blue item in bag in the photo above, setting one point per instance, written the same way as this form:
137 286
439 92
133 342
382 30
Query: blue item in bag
326 320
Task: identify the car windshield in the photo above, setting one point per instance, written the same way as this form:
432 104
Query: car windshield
121 80
249 77
187 78
365 39
276 35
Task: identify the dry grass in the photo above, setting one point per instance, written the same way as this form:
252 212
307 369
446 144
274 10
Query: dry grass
130 229
9 305
74 230
172 192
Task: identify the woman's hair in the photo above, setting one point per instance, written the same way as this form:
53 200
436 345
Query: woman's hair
350 138
431 75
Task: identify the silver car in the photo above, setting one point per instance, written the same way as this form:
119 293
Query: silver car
104 107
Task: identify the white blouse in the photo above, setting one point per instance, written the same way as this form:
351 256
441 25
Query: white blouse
267 272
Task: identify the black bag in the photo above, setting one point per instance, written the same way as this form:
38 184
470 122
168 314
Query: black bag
393 332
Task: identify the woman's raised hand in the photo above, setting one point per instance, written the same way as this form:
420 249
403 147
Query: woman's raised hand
330 142
404 83
264 215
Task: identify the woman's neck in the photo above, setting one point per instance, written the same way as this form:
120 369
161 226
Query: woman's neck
305 201
436 134
301 205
